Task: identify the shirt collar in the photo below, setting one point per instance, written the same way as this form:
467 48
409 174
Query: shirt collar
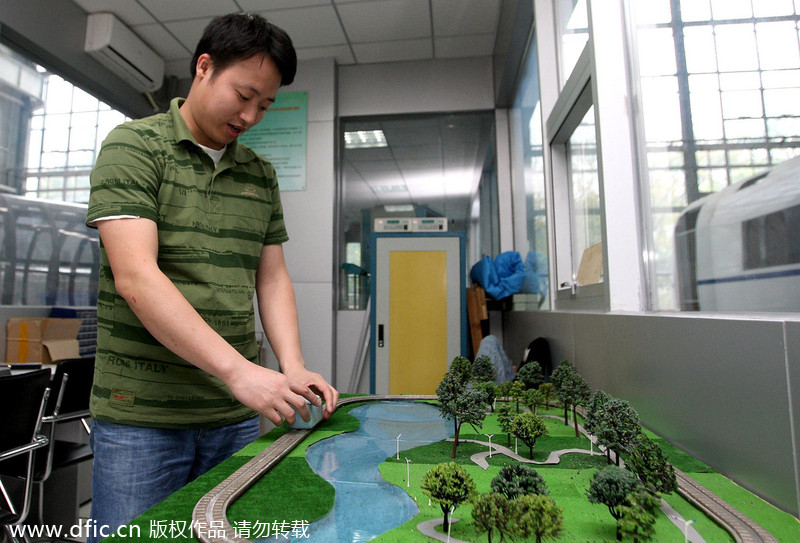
240 153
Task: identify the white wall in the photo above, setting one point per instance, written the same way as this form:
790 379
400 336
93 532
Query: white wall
430 86
725 389
309 220
433 86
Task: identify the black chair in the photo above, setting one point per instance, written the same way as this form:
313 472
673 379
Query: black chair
69 402
22 401
72 388
73 379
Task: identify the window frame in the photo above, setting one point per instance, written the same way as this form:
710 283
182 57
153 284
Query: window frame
573 103
600 80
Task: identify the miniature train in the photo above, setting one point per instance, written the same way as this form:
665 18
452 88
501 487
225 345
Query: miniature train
739 249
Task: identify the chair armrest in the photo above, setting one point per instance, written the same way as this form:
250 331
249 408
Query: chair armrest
66 417
38 442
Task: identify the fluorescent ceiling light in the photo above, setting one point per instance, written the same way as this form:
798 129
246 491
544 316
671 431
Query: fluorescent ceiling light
388 188
398 208
364 139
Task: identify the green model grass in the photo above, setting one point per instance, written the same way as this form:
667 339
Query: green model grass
567 483
291 491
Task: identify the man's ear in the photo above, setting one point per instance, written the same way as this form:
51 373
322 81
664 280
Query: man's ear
204 66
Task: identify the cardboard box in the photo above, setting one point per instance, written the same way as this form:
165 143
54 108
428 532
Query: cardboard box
41 340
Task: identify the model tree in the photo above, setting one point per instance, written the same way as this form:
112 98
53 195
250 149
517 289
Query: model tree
574 391
638 516
560 374
493 511
459 400
647 460
516 480
449 485
547 390
532 398
537 515
516 392
489 390
594 409
528 427
483 377
461 367
531 375
483 369
505 416
617 426
503 390
610 486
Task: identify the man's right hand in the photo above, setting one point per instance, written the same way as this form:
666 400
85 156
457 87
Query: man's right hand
270 393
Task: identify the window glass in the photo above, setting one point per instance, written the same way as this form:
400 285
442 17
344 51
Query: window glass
528 172
584 189
573 24
67 129
718 81
49 135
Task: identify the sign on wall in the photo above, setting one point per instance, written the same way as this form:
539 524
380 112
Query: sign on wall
280 137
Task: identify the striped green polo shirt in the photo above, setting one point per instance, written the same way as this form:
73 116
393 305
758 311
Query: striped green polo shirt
212 225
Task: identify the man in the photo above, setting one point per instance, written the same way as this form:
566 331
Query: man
191 225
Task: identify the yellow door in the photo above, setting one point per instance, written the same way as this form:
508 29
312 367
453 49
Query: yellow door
418 317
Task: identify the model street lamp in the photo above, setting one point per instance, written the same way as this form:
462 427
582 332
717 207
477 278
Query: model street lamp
490 436
398 445
449 524
686 524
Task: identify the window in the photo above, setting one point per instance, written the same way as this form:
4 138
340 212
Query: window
718 83
20 92
51 131
528 178
576 178
573 24
584 182
65 136
771 240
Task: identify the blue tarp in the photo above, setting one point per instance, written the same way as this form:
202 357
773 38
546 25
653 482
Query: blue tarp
500 277
536 274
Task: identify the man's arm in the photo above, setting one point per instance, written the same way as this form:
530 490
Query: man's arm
132 249
278 310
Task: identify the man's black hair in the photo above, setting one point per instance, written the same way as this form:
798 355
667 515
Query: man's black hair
238 36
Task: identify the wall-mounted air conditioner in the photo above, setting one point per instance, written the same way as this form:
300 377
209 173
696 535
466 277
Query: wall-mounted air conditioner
120 50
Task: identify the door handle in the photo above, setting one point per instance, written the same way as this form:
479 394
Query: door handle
380 335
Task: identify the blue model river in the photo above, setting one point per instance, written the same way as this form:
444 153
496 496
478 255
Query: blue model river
365 505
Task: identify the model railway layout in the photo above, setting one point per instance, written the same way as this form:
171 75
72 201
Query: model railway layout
211 509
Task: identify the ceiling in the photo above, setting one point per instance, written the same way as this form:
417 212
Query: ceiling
433 162
351 31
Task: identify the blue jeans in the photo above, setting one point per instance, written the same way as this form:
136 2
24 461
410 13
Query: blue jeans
137 467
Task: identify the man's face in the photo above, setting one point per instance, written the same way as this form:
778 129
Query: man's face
223 104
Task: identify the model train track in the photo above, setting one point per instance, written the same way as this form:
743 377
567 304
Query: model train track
210 521
741 527
209 518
